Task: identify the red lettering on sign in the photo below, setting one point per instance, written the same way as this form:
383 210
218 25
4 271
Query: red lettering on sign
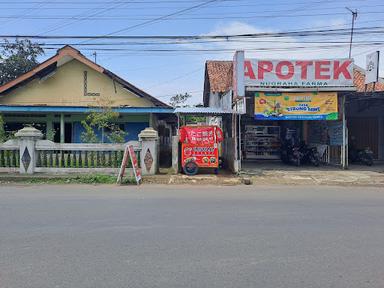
322 67
264 66
279 70
248 70
304 68
343 69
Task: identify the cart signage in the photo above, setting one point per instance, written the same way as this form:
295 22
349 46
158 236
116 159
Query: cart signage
298 73
201 135
204 155
200 145
296 106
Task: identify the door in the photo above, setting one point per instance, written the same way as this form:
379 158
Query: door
67 132
364 132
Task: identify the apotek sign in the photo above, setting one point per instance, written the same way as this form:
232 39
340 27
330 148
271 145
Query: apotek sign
298 73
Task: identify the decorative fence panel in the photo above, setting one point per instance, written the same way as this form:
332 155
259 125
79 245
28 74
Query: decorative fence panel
9 156
81 158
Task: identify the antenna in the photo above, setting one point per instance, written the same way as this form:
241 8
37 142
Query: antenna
354 16
95 55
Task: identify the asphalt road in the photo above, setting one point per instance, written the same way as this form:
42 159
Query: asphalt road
184 236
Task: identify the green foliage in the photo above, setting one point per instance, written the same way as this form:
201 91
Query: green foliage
116 135
18 58
89 135
3 136
179 99
192 119
69 179
103 121
50 134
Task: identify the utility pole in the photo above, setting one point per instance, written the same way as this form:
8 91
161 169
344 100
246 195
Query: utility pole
354 16
95 55
344 148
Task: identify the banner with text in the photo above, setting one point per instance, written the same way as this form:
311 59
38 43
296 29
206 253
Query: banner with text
299 73
296 106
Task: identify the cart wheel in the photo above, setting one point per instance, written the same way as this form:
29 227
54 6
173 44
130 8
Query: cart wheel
190 168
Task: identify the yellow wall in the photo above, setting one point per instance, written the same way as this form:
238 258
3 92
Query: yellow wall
66 88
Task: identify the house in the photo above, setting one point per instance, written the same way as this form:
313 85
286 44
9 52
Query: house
364 114
59 93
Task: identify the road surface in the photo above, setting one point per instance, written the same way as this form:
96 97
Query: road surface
186 236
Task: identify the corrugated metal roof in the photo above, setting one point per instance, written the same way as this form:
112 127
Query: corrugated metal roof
203 110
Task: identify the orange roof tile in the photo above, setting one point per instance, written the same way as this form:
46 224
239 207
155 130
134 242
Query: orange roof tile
359 80
220 75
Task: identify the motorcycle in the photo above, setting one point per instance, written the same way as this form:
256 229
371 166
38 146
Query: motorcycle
310 154
291 154
364 156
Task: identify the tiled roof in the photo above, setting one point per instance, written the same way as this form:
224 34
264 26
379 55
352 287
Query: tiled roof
220 77
72 53
359 80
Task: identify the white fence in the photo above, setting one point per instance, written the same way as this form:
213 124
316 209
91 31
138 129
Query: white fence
29 155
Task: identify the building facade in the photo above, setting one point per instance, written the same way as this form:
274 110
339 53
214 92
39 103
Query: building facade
60 92
260 130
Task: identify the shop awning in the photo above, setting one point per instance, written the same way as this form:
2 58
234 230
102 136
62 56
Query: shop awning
203 111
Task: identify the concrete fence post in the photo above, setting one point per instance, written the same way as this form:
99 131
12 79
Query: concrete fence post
27 140
149 154
175 154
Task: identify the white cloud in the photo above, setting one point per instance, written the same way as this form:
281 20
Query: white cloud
280 47
335 23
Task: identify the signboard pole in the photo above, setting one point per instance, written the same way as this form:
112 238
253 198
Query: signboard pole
344 147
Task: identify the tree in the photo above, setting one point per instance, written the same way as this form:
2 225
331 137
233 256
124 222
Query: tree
18 58
104 120
179 99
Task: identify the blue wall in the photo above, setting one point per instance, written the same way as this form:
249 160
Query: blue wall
132 128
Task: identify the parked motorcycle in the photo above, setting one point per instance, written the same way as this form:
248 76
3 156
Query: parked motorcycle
364 156
310 155
291 154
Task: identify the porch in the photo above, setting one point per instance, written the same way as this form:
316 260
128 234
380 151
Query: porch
63 124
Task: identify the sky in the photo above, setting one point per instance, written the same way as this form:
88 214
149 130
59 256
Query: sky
164 68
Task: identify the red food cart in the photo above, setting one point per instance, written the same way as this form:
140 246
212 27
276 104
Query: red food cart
200 147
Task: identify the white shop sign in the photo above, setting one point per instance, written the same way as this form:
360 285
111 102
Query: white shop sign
372 69
298 73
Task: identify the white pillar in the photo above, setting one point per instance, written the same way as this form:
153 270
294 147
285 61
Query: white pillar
27 141
149 155
62 128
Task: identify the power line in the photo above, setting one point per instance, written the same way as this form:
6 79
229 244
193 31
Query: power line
163 17
299 33
177 78
236 2
149 20
103 10
228 49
